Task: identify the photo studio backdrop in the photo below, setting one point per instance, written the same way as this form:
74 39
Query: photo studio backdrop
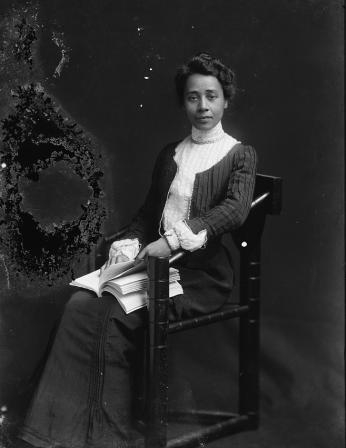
92 84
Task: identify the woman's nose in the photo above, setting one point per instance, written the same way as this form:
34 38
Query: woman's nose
203 104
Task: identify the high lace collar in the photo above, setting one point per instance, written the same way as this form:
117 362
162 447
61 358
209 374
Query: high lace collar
201 136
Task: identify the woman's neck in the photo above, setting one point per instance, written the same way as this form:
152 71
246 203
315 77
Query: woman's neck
201 136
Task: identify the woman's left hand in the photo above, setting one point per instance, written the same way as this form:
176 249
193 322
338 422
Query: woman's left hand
158 248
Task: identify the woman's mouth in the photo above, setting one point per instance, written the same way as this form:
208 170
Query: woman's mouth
204 118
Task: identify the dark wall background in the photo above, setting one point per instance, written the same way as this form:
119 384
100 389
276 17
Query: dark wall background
288 56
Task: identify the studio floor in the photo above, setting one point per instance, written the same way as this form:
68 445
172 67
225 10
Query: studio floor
285 429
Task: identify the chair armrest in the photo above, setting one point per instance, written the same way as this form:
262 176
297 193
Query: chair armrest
175 257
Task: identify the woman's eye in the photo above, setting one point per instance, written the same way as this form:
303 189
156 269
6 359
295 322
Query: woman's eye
211 97
192 98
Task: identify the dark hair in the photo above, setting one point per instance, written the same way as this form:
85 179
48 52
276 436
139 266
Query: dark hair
205 64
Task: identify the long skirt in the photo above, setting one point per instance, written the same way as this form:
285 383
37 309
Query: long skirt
86 393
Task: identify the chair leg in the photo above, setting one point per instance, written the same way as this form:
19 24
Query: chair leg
140 381
249 335
156 434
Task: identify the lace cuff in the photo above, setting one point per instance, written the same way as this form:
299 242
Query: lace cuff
129 248
172 239
182 236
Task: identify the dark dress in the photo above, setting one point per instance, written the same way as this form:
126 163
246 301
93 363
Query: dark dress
85 396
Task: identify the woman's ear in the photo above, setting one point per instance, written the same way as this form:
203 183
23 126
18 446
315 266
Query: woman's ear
226 104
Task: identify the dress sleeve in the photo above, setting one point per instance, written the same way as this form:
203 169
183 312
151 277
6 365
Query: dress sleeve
233 210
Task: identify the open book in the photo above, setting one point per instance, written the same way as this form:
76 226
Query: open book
127 282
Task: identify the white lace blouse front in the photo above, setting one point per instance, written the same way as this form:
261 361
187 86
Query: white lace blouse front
196 153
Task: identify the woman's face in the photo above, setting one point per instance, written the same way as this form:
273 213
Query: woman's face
204 101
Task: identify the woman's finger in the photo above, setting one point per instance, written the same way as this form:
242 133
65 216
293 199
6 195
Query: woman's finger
106 264
110 261
142 254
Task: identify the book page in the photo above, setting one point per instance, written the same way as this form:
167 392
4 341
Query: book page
89 281
129 302
95 280
127 283
120 269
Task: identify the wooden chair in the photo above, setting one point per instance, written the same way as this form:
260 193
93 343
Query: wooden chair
154 400
267 200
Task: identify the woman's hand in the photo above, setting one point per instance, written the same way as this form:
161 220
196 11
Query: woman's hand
158 248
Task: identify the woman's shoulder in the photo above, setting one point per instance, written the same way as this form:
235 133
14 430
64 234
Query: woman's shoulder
236 146
239 154
170 147
243 150
165 158
168 151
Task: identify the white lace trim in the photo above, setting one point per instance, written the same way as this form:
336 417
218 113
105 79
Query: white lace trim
182 236
172 239
128 247
201 136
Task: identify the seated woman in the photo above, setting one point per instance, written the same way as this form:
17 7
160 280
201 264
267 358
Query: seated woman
201 188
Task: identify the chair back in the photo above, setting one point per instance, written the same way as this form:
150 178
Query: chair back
266 200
